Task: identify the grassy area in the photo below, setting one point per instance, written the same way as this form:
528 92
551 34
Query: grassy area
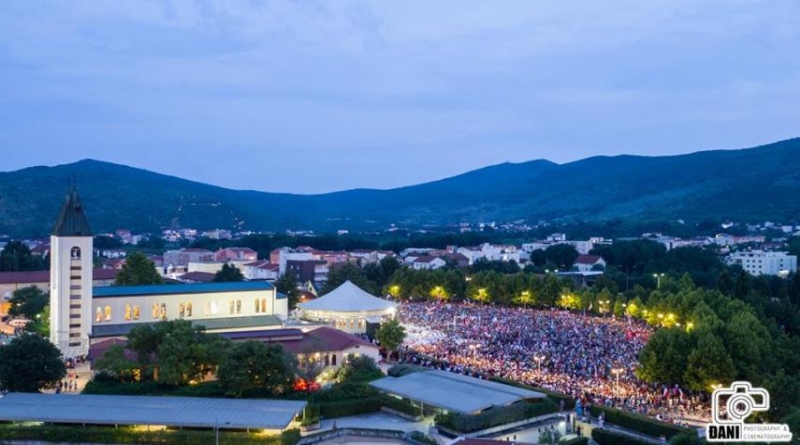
130 435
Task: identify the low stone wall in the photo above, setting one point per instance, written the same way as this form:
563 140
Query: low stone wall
358 432
501 428
394 412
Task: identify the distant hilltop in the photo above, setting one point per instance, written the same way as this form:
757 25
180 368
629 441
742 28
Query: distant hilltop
755 184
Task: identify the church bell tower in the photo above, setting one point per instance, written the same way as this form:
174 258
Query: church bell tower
71 267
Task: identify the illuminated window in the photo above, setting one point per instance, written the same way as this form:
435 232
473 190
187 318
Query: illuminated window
163 311
258 305
128 312
214 308
156 310
136 312
263 305
188 308
108 313
98 314
181 311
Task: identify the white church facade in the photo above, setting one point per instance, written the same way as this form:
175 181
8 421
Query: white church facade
81 315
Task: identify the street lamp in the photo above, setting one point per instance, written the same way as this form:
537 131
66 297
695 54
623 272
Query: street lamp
658 276
617 372
539 359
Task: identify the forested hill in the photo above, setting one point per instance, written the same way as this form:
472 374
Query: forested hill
755 184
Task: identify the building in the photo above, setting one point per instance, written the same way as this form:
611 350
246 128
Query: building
81 313
308 270
241 254
348 308
181 258
428 263
11 281
586 263
450 392
764 263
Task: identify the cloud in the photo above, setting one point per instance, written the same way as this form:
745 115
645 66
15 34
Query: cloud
392 92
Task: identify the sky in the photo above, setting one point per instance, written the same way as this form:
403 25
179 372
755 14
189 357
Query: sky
316 96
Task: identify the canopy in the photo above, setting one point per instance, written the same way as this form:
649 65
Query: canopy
347 298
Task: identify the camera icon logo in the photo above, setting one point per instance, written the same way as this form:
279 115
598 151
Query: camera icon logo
742 400
732 405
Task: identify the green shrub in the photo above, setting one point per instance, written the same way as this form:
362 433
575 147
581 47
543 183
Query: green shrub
127 435
401 370
575 441
345 391
344 408
495 416
403 406
422 438
289 437
640 423
569 402
606 437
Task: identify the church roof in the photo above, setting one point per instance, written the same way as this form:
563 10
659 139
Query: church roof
347 298
72 220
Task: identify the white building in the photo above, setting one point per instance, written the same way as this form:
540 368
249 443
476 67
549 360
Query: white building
428 263
81 314
764 263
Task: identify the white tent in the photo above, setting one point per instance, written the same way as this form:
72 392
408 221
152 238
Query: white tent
348 307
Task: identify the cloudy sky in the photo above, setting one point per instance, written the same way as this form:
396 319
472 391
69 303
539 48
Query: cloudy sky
314 96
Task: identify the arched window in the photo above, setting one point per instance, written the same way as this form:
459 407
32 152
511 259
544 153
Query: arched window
75 253
188 308
258 306
108 313
263 305
238 307
333 360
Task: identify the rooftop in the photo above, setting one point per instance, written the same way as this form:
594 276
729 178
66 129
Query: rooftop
453 392
166 289
72 220
188 412
210 324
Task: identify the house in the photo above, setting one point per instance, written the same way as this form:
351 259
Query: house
260 270
587 263
428 263
309 270
235 254
196 277
182 257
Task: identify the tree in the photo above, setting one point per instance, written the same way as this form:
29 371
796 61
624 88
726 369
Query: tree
549 436
30 363
391 335
708 363
253 366
287 285
28 302
228 273
137 270
114 363
663 358
348 271
17 257
174 352
358 369
562 255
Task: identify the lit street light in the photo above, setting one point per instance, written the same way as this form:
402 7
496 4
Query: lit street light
617 372
658 276
539 359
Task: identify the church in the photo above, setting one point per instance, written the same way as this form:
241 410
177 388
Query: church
81 314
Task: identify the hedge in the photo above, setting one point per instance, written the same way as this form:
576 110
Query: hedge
569 402
638 422
606 437
575 441
404 369
127 435
420 437
404 406
344 408
465 423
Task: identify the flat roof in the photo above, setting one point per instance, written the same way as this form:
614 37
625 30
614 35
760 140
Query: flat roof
453 392
210 324
190 412
166 289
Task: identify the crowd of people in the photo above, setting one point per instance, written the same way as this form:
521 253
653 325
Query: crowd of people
590 358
